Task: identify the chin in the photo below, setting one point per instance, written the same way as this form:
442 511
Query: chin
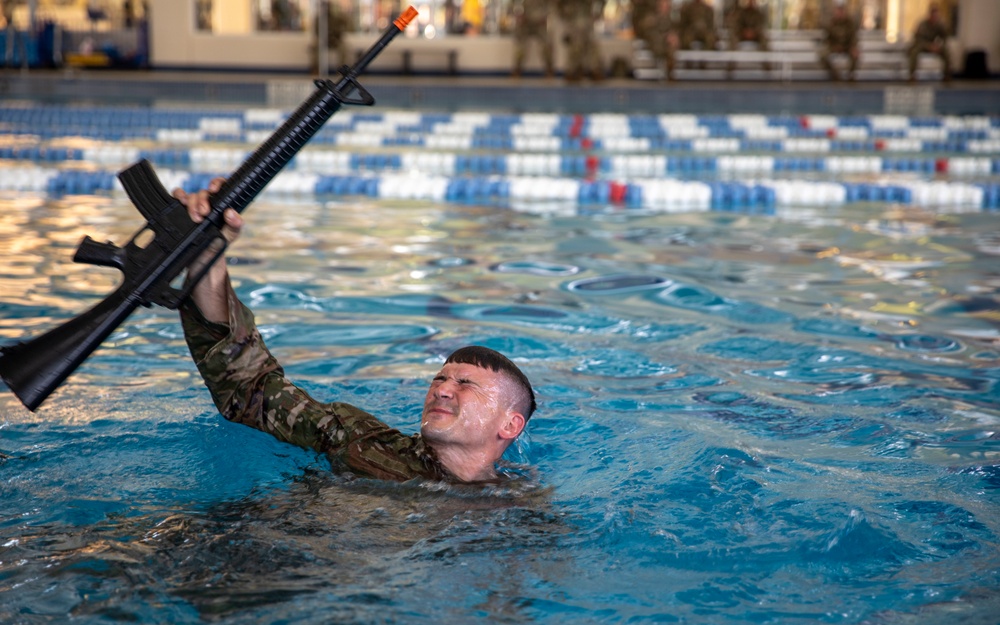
430 432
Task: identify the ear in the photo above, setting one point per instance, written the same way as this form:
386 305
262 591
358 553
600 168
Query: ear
513 426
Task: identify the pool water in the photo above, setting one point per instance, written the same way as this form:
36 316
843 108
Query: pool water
750 416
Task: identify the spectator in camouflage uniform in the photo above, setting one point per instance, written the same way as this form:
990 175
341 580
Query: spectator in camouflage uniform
931 37
583 52
475 407
641 9
697 24
532 24
748 24
840 37
661 37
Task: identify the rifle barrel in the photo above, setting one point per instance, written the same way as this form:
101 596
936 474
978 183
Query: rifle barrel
35 368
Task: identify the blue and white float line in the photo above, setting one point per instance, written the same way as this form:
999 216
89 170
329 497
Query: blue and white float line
656 194
653 162
523 132
516 164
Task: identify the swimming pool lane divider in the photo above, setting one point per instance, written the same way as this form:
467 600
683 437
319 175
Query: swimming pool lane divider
549 164
233 121
804 144
531 132
750 196
540 143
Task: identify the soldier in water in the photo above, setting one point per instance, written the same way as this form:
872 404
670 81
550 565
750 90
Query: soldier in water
477 404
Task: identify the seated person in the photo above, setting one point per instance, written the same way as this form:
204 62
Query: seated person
476 405
931 37
840 37
748 24
661 37
697 25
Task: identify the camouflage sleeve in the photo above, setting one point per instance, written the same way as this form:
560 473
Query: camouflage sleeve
249 387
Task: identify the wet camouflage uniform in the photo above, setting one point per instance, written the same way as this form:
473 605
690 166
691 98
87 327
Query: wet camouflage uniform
583 52
841 37
661 33
748 23
931 34
697 23
249 387
533 24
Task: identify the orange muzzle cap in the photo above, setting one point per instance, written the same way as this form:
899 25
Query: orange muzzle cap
404 20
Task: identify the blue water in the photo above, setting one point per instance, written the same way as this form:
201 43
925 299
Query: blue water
743 419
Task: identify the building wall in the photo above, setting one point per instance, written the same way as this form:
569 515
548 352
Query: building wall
174 42
979 29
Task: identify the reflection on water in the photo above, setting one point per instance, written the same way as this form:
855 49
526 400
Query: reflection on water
742 419
318 542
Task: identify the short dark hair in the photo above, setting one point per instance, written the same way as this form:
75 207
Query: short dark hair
487 358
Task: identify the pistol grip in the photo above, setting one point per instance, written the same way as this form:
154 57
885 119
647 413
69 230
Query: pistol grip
92 252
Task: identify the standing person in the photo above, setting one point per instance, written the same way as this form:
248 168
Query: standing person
661 37
840 36
583 52
697 25
531 23
477 404
472 16
8 7
930 37
128 13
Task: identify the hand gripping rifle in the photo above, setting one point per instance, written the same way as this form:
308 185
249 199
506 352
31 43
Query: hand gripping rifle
36 368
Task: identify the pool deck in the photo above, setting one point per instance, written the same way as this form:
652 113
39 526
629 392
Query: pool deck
529 94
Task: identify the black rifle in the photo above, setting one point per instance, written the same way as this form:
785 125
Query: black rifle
35 368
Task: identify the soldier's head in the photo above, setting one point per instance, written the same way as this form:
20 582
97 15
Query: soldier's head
479 401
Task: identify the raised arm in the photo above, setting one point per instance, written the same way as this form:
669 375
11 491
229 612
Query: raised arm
211 293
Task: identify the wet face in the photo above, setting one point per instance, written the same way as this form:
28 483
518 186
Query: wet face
467 405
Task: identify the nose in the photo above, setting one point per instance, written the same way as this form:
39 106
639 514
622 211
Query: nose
444 390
